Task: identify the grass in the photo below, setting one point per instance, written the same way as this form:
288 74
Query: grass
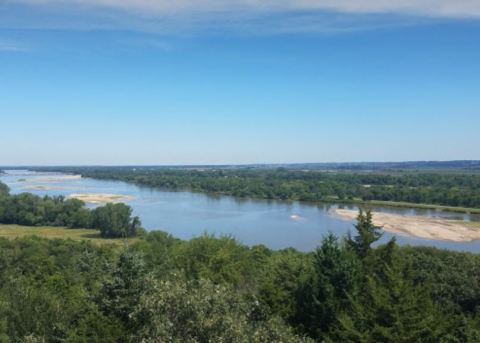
17 231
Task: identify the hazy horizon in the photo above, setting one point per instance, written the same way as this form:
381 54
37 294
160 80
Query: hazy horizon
237 164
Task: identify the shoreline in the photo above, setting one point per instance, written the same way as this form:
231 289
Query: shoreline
357 202
420 226
397 204
384 203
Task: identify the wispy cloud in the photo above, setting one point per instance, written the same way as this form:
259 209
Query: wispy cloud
241 16
436 8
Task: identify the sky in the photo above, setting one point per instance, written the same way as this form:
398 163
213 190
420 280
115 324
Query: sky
235 82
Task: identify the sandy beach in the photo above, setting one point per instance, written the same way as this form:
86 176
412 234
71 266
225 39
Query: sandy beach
420 226
100 198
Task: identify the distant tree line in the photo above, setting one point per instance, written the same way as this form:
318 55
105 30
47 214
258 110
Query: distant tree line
208 289
440 188
112 220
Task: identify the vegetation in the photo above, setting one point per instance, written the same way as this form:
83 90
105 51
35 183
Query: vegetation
461 189
113 220
17 231
161 289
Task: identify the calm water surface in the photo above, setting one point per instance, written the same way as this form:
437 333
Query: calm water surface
277 224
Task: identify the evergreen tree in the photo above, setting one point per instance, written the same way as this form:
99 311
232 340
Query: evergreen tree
325 295
390 309
367 234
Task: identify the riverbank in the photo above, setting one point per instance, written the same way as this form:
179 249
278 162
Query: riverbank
105 198
331 199
420 226
327 200
184 183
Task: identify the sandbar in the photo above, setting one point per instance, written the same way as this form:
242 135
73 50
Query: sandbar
100 198
421 226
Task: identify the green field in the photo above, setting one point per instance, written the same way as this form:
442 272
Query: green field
17 231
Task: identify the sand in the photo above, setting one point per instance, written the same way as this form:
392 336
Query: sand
100 198
45 188
421 226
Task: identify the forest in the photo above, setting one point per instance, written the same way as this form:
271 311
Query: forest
112 220
456 189
215 289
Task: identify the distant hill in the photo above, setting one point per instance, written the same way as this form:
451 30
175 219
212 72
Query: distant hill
473 165
409 165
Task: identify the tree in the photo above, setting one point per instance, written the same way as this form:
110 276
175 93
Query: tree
390 309
325 295
115 220
367 234
4 190
222 260
176 310
283 274
121 292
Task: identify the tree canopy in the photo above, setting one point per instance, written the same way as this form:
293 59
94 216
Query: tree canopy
112 220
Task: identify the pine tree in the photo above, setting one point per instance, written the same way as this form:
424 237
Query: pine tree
367 234
321 299
391 309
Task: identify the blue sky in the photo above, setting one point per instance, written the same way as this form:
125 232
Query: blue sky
213 82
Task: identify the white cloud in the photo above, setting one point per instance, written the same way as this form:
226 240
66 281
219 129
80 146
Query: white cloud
431 8
252 17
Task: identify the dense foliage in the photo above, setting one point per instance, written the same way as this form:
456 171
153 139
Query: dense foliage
113 220
161 289
440 188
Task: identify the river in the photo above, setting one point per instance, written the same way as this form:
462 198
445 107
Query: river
276 224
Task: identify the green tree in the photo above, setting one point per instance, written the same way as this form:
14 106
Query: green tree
176 310
115 220
122 290
282 275
390 309
367 234
4 190
325 294
221 260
